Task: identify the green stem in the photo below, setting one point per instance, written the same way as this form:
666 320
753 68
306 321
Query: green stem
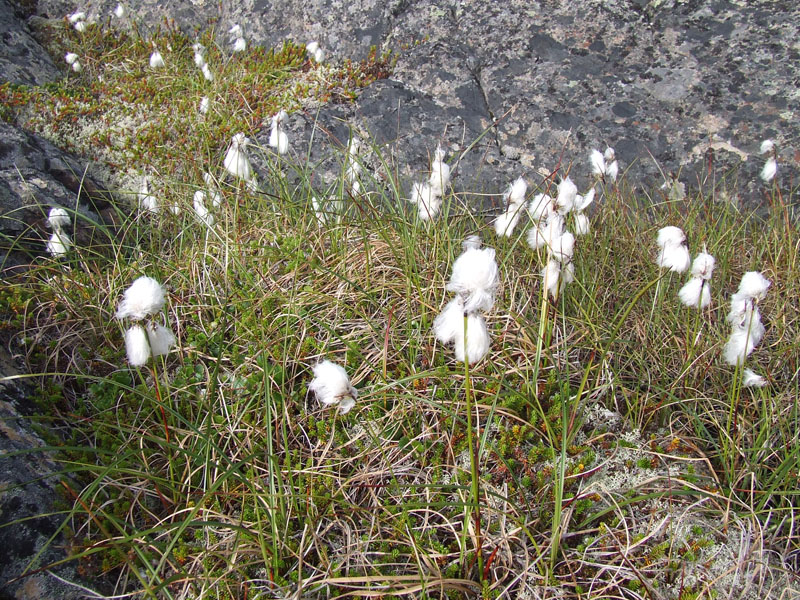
473 459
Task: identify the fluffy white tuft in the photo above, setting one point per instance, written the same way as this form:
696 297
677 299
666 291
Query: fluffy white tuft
751 379
239 45
567 192
674 257
545 234
477 343
207 72
541 207
331 385
695 293
440 173
213 192
119 11
200 209
567 274
143 298
770 169
447 324
236 161
475 278
71 58
161 338
563 247
204 105
156 60
612 170
670 235
58 218
428 203
59 244
743 309
738 347
583 202
315 52
471 241
703 266
598 162
754 285
581 224
550 277
516 192
353 170
767 146
277 136
137 346
505 223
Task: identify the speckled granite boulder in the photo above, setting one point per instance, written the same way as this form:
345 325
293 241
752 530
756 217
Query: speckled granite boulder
684 87
22 58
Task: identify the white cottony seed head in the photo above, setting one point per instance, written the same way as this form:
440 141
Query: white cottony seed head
59 244
143 298
567 192
449 321
703 266
598 163
236 161
331 385
674 257
161 338
751 379
477 343
137 345
156 60
754 285
769 170
670 235
200 209
695 293
58 218
516 191
475 278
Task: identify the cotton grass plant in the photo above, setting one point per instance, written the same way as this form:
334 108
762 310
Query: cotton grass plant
605 463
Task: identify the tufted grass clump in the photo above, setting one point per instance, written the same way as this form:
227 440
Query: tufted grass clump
617 456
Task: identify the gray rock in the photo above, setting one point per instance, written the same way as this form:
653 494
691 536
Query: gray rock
28 482
22 58
34 176
674 86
